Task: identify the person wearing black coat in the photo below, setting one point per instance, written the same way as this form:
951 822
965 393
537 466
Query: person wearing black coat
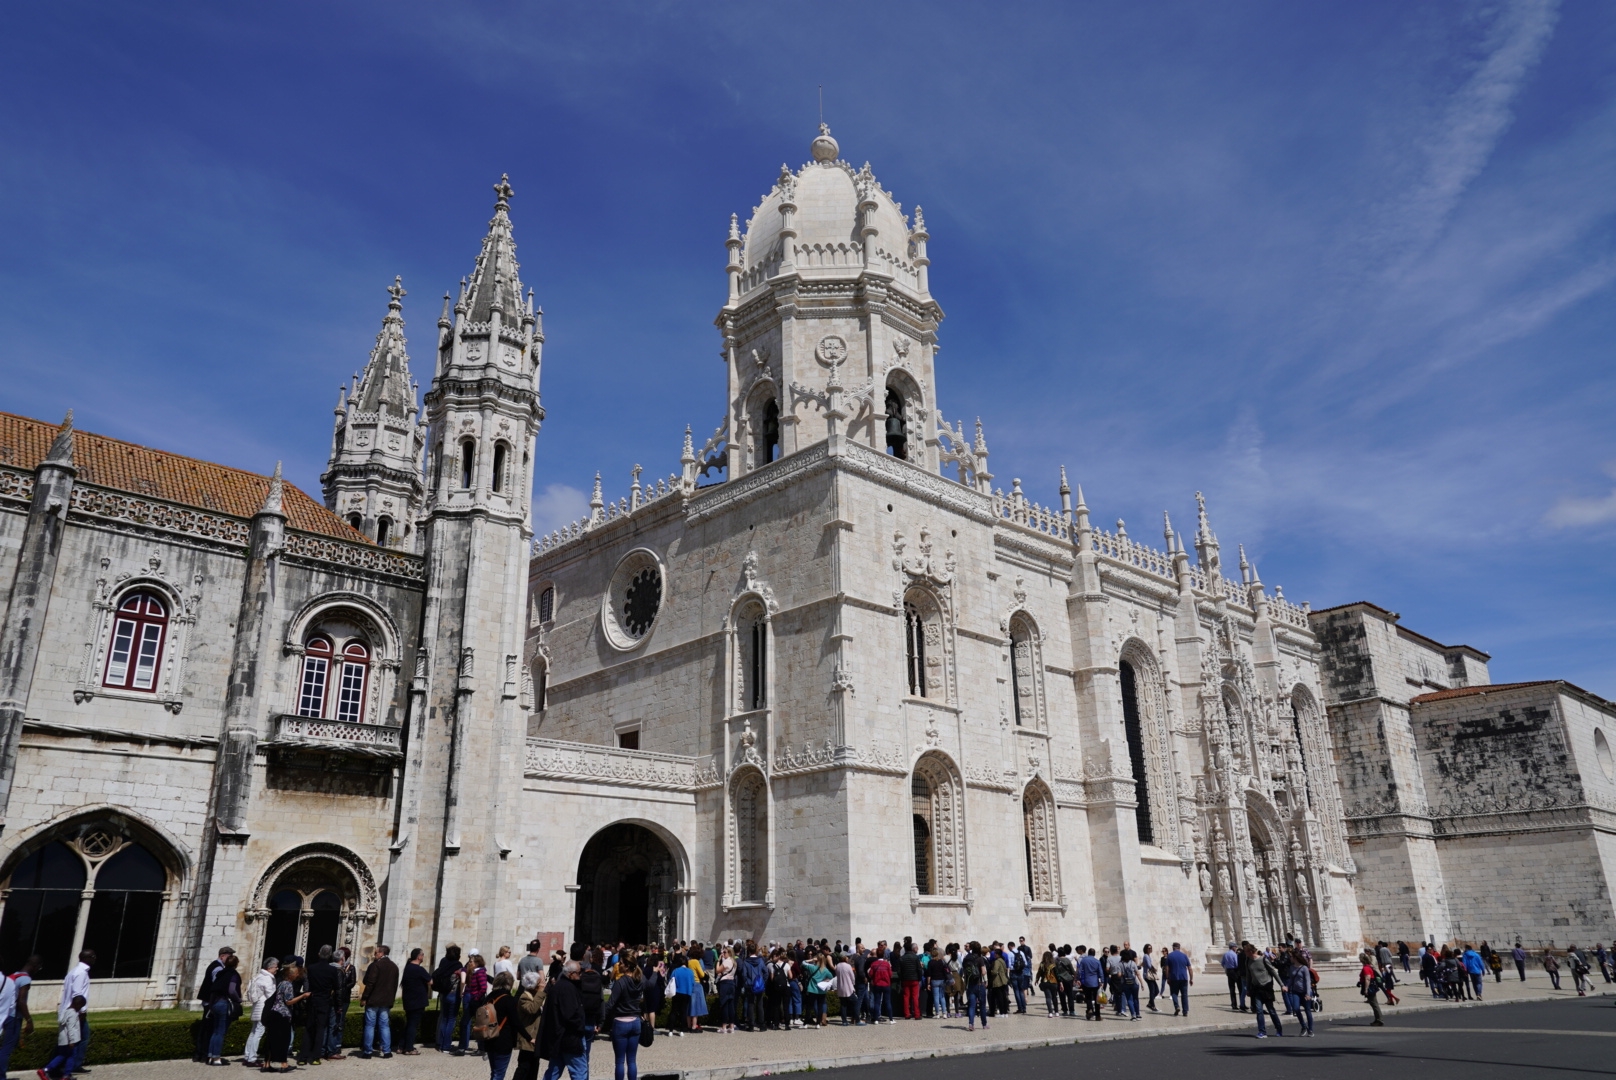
561 1027
415 987
502 1044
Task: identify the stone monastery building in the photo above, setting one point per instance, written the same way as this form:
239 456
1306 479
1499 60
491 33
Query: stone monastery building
827 678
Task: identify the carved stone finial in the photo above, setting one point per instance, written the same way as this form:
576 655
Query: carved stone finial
273 500
61 448
396 291
824 147
504 191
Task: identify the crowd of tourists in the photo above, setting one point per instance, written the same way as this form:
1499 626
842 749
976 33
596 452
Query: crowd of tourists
544 1011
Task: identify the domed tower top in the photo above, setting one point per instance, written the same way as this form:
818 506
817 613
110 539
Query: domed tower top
824 148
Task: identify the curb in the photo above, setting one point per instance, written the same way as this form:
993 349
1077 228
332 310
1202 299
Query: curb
770 1068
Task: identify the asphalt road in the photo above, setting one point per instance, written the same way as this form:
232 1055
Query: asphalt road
1547 1038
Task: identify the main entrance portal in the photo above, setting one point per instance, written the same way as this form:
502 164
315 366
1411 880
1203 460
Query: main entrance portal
627 887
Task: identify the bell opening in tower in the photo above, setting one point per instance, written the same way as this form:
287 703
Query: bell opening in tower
897 426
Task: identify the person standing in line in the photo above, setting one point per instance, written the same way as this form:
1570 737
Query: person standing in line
1261 976
910 970
20 1022
1020 974
224 1007
1090 974
379 991
1369 985
529 1008
1180 975
259 991
203 1029
446 983
561 1027
880 987
626 1013
1430 970
998 982
473 989
533 961
684 986
1383 956
847 991
323 981
504 964
1231 971
1518 954
938 973
415 987
725 975
495 1024
348 976
817 978
1128 984
975 969
277 1051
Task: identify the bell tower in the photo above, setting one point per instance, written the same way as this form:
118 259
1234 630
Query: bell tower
830 319
454 862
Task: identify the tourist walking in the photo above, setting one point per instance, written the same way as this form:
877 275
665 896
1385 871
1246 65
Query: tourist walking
1261 977
446 982
1300 988
1402 954
1369 985
1149 972
1518 954
1180 975
561 1027
259 990
377 994
21 1021
1474 970
1552 967
1579 970
1090 974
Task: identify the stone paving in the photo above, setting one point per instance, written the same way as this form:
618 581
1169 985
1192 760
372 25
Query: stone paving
712 1056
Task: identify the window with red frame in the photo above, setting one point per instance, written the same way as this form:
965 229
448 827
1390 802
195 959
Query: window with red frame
351 690
136 653
317 656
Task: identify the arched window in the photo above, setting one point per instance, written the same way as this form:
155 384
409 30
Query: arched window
541 685
769 435
468 462
351 688
1024 696
281 933
124 885
310 898
437 466
914 627
356 522
384 531
500 456
1136 751
920 795
136 651
750 802
1038 829
936 797
317 658
752 658
897 425
547 604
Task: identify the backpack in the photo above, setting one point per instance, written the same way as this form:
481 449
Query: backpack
1065 970
779 980
442 980
589 985
754 971
486 1023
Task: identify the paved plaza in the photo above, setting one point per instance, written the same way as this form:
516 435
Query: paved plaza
1341 1034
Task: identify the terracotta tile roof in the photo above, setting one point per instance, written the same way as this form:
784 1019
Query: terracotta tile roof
140 470
1467 691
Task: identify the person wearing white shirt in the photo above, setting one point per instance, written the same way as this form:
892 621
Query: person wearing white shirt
70 1015
259 991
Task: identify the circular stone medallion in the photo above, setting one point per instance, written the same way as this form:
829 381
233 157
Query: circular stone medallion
832 350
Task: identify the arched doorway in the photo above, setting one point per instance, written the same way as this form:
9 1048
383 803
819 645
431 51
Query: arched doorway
313 896
628 887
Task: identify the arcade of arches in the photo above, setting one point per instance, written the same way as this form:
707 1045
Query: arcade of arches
313 899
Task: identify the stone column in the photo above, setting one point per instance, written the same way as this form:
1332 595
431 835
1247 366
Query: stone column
30 597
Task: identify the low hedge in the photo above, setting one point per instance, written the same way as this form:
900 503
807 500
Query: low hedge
164 1034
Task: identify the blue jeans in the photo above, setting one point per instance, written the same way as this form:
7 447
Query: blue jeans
939 998
976 1003
497 1064
1258 1007
796 1000
467 1014
448 1010
1304 1012
377 1017
1179 991
1130 999
626 1048
219 1014
9 1034
333 1029
1017 985
82 1047
1475 982
575 1067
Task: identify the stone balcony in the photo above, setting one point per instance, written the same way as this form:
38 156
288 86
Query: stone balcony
376 742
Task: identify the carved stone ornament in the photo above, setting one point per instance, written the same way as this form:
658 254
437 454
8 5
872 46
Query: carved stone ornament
751 583
900 348
832 350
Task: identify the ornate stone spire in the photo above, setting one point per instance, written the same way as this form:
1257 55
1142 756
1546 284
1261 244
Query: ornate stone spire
273 499
495 282
61 448
1206 541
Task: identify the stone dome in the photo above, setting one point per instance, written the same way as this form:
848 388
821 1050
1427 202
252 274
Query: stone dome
826 195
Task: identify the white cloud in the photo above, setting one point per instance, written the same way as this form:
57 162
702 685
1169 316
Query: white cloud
558 505
1569 512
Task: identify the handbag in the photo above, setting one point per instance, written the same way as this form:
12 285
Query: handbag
647 1033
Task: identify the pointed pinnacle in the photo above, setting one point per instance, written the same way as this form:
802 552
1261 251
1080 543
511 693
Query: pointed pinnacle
1081 505
61 448
1065 488
273 499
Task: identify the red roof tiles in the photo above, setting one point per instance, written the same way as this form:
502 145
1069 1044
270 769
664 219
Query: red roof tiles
140 470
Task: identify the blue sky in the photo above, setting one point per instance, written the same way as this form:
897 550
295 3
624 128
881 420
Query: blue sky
1346 268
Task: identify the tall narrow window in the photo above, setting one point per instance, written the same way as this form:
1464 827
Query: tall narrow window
751 836
915 645
468 462
317 656
547 604
437 466
42 911
769 442
356 522
128 903
1136 751
351 690
135 653
920 795
897 425
1021 673
541 687
498 480
1038 830
384 531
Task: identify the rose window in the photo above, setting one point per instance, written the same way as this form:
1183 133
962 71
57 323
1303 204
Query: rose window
641 600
